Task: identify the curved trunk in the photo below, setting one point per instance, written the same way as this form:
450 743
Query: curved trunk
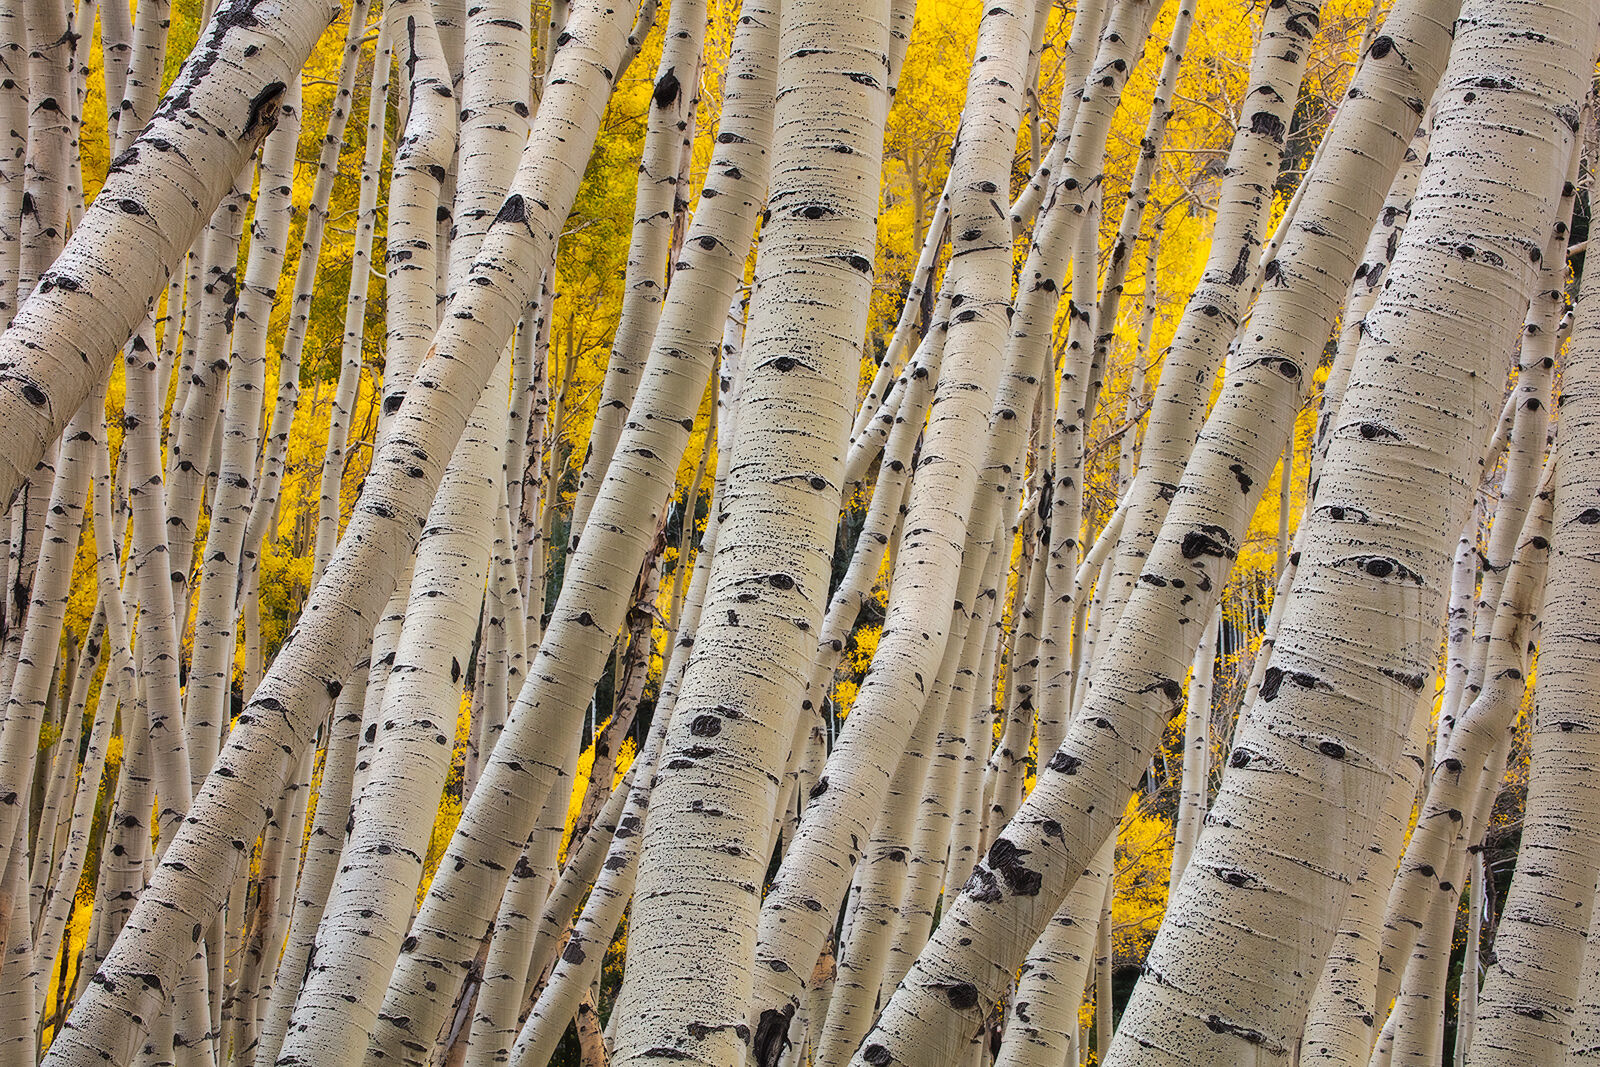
263 510
1339 1027
879 890
420 148
374 892
1330 720
1213 313
658 200
951 512
149 210
1043 1030
599 576
685 997
210 675
294 697
934 834
1136 686
31 687
1195 786
1528 993
323 847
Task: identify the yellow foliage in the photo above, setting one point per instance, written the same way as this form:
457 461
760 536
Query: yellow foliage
580 784
1143 868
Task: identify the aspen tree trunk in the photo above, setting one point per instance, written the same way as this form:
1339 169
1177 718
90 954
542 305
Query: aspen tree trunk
51 133
323 848
1584 1048
419 201
886 509
1006 899
1456 808
904 409
553 923
13 148
280 861
190 454
1458 623
263 511
17 1003
1196 750
657 202
1213 313
1044 1013
1329 718
1460 792
494 124
582 956
49 851
375 890
967 829
1340 1025
124 680
1068 224
26 965
504 663
1524 437
293 696
41 636
1370 275
1471 964
685 996
496 999
27 524
629 670
1062 501
1004 770
1415 1028
933 836
929 565
425 146
1088 20
879 890
594 598
1150 145
59 907
1104 1010
548 1016
1528 993
874 416
210 673
157 645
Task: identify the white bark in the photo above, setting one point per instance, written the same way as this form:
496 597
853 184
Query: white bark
210 674
1195 787
1108 745
1304 785
1528 993
599 576
684 996
293 696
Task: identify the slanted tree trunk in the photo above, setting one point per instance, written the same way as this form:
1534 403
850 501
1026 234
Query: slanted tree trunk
776 534
1329 724
990 926
1529 992
599 577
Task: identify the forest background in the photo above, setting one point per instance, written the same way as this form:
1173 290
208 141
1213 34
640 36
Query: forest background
588 293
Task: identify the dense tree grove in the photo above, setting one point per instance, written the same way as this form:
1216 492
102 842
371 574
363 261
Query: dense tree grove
799 533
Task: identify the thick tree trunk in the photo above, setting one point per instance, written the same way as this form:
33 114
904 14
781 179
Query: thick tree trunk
776 533
1329 722
1529 991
